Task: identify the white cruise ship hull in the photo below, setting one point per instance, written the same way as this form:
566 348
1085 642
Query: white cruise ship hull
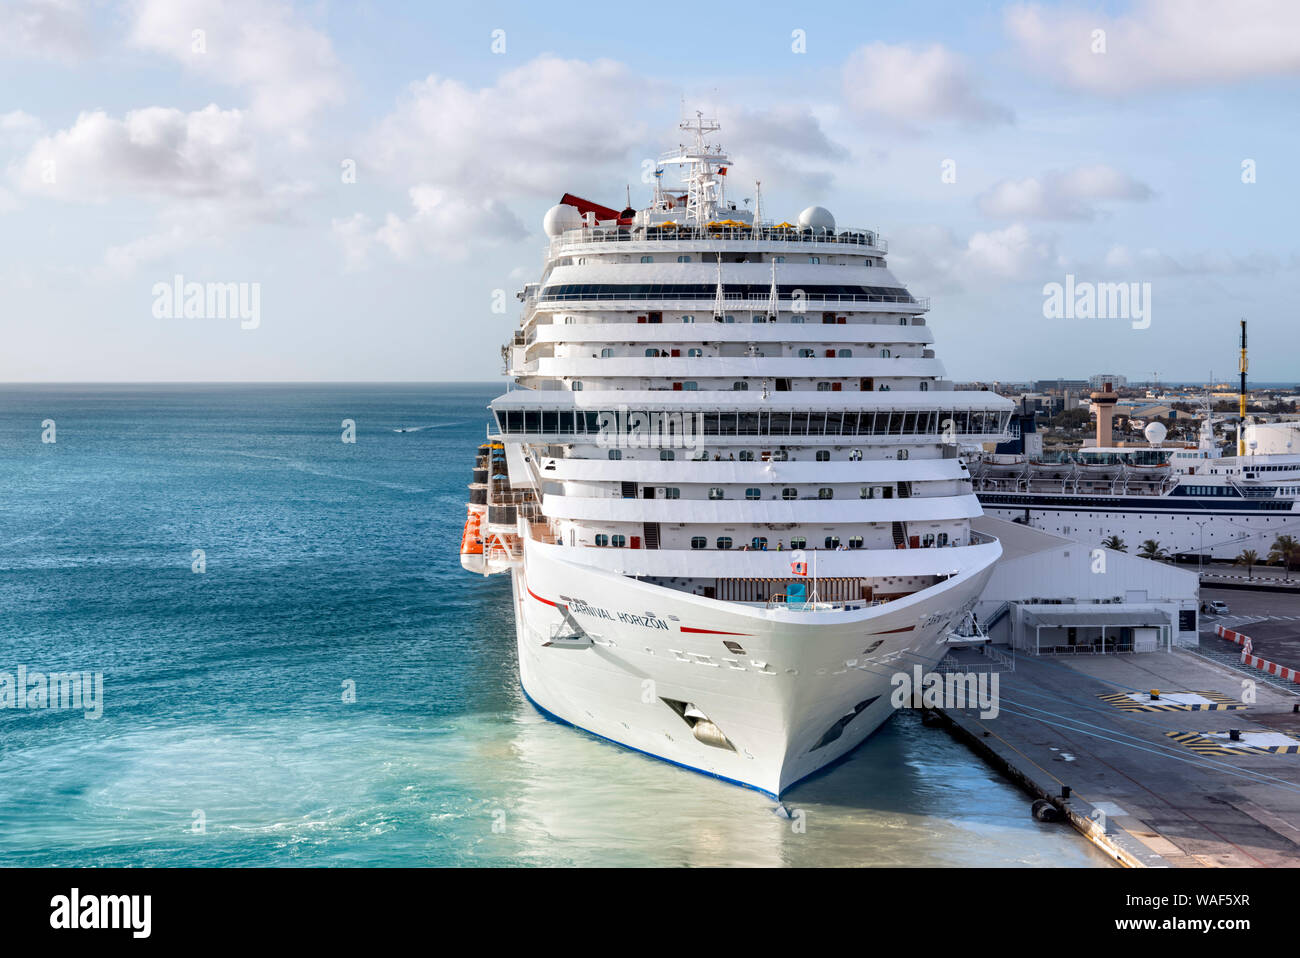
779 702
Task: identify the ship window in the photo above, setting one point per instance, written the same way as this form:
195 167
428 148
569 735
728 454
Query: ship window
855 542
902 454
698 542
577 385
647 259
814 259
753 493
806 354
695 351
602 539
715 492
855 455
867 492
672 492
688 319
943 538
683 259
652 352
616 454
758 542
618 542
778 259
739 386
667 454
823 455
606 353
845 354
927 540
884 354
824 387
690 385
825 492
832 542
724 542
925 386
746 455
797 319
789 492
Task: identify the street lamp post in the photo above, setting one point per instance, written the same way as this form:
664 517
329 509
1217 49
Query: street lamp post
1200 556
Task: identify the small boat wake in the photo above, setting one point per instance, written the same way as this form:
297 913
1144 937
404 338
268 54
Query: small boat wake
436 425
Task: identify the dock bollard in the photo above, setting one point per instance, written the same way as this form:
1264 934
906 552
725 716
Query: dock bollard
1065 792
1234 734
1155 695
1044 811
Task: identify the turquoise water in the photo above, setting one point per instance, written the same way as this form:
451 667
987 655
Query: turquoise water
330 563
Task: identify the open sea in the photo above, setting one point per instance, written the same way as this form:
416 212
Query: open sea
225 737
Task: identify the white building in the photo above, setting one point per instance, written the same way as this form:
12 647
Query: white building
1116 381
1049 593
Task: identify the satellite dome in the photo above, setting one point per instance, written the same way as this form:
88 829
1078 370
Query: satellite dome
561 218
818 219
1155 432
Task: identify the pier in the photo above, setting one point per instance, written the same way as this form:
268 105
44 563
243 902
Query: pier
1205 772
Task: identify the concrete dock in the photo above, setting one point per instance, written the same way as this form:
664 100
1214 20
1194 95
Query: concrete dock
1156 783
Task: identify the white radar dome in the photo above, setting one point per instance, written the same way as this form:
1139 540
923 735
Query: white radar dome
1155 432
560 218
817 219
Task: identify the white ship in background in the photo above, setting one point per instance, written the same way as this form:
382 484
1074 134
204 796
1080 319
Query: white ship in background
727 488
1190 499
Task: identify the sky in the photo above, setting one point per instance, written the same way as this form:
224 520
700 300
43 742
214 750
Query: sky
372 176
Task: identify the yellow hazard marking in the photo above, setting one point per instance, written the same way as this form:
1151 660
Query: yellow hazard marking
1203 745
1218 703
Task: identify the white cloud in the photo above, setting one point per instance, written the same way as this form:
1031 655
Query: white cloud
934 260
1161 43
1069 195
155 152
51 29
915 87
784 145
470 152
440 223
287 67
525 134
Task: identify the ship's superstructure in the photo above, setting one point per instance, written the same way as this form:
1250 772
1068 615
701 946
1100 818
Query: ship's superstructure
728 487
1189 499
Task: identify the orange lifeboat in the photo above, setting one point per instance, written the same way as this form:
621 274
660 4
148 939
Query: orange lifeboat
471 541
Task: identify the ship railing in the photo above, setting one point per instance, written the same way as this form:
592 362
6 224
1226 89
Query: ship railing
751 301
869 238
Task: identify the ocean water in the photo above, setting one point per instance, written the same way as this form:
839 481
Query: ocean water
225 739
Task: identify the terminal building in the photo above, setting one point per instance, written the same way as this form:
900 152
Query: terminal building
1053 595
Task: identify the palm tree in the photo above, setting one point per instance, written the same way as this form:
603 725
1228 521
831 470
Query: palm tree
1286 552
1249 558
1151 549
1115 543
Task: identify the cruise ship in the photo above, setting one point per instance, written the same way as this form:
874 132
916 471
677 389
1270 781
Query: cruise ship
1189 499
726 482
